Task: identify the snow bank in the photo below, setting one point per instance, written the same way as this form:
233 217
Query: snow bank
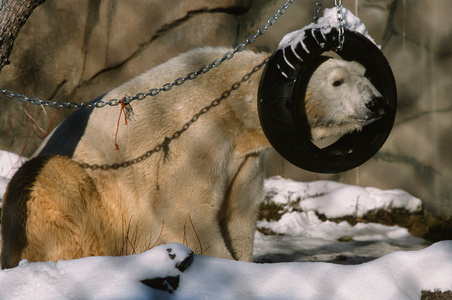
334 199
399 275
94 277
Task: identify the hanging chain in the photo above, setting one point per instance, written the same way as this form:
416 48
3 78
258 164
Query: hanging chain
340 21
340 24
317 9
166 87
164 145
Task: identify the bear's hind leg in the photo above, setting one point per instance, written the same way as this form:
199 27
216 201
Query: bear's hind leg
45 213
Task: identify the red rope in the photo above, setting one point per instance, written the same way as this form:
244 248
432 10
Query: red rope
123 106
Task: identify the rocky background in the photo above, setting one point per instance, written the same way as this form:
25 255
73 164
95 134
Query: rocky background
78 50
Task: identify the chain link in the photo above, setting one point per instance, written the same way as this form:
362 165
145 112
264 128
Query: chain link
155 91
317 9
340 24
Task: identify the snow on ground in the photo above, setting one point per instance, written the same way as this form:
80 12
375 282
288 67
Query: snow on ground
399 275
303 242
9 162
334 199
302 236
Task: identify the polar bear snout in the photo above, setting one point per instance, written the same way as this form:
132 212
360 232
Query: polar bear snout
376 108
373 111
376 105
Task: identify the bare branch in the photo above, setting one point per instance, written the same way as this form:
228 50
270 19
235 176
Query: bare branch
13 15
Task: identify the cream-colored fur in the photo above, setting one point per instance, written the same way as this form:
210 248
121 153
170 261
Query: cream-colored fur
341 99
202 188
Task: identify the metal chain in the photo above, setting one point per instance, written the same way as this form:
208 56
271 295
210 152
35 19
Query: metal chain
155 91
164 145
340 24
318 7
340 21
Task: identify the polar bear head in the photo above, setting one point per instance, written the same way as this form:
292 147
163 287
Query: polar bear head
340 99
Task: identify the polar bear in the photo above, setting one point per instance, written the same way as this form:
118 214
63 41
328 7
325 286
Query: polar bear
184 166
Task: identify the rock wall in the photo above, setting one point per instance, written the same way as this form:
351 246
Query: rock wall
77 50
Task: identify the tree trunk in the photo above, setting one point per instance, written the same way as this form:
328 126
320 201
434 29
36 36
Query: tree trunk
13 15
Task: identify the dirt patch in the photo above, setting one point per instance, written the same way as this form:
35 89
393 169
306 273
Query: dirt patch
436 295
430 227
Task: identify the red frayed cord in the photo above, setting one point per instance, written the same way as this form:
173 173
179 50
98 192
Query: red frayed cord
123 106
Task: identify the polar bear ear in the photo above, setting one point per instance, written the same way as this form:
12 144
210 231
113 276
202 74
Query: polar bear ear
357 67
284 83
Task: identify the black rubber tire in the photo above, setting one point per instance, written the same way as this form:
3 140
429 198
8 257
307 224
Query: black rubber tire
285 79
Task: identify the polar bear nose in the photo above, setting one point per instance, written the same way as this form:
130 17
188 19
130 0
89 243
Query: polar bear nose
376 105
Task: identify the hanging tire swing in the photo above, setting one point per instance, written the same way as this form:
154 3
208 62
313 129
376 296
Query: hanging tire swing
282 92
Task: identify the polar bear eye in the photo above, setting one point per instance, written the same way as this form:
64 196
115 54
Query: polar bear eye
338 82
